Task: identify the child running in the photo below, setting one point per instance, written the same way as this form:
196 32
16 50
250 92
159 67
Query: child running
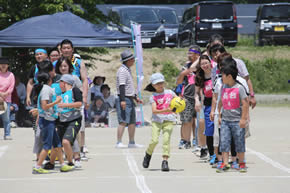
162 119
46 105
70 114
234 101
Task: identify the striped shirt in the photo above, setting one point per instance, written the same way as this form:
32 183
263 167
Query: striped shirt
124 77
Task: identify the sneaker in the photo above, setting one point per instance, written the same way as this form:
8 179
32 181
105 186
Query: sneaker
212 159
39 171
66 168
217 164
48 166
194 143
181 144
8 137
13 124
83 156
78 164
164 166
196 149
135 145
86 150
243 167
222 168
120 145
235 166
146 160
187 145
203 154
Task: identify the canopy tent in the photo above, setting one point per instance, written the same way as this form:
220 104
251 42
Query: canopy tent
48 30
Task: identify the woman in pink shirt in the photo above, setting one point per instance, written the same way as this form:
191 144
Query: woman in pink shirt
7 82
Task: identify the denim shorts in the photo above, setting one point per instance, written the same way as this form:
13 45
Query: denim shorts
48 134
229 130
128 115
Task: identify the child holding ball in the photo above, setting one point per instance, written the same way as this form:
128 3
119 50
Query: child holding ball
163 119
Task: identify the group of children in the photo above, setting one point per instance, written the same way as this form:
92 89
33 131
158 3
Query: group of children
217 87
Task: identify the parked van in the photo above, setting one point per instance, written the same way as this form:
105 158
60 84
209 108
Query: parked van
170 21
273 24
206 18
152 30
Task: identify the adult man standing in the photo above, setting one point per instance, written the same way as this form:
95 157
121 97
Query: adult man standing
40 56
125 101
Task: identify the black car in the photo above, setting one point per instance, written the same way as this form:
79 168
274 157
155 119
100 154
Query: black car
170 21
206 18
273 24
152 29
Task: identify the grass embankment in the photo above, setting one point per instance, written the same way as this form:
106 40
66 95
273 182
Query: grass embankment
269 66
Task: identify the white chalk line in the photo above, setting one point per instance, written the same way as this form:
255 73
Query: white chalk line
140 179
269 160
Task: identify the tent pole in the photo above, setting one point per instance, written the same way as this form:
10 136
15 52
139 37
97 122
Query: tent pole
0 52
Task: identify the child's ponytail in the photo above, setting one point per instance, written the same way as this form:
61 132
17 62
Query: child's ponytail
43 78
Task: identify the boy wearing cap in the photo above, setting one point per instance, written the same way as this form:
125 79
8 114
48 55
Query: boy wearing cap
6 88
162 119
70 116
125 102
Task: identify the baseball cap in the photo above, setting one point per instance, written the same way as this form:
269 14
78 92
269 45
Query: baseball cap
68 78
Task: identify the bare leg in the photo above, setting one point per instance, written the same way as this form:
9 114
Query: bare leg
187 130
42 157
201 136
120 131
68 150
131 131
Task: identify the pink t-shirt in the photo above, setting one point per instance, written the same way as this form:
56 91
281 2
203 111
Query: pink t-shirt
207 90
7 82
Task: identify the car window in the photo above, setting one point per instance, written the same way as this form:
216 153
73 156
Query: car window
216 11
168 15
280 11
138 15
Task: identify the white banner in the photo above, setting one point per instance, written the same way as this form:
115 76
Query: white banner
139 55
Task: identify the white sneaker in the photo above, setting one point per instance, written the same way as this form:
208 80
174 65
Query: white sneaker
86 150
84 157
13 124
135 145
78 164
120 145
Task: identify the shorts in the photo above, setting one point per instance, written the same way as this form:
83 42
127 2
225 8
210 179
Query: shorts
128 115
229 130
69 130
49 135
189 111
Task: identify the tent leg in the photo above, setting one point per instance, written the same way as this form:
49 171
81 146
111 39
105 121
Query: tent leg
0 52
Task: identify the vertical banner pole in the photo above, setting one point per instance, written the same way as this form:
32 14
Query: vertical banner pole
137 44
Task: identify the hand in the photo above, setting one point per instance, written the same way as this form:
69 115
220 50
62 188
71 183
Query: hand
211 116
34 112
58 99
61 105
243 123
220 120
123 105
139 101
28 102
252 101
12 108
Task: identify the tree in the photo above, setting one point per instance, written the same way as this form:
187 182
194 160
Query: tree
12 11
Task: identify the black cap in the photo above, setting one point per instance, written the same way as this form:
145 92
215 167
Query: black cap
4 60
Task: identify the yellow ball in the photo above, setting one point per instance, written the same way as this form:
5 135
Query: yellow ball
177 104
